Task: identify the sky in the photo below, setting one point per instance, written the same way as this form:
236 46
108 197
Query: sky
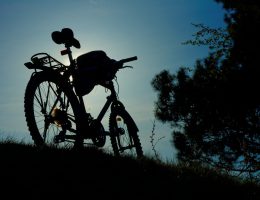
152 30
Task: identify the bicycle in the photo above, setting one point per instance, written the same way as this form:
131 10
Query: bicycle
54 108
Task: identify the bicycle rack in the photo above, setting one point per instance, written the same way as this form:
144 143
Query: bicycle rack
45 60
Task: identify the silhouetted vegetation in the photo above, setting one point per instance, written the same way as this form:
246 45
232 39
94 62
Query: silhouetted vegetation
214 109
28 172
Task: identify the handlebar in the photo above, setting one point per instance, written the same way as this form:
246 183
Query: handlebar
128 59
120 63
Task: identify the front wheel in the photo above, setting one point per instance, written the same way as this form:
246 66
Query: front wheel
123 134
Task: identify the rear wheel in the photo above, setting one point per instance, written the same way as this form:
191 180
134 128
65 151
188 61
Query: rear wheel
123 134
51 110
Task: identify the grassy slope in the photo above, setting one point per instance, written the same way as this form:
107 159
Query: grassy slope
30 173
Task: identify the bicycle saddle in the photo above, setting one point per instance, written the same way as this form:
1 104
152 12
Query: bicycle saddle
65 36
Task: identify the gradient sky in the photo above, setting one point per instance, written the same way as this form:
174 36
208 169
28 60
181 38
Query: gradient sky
152 30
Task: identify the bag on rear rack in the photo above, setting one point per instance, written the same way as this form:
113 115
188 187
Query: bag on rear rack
93 68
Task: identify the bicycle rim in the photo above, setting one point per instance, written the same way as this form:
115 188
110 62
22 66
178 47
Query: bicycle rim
50 111
124 138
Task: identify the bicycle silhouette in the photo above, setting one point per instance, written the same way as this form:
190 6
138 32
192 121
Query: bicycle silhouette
53 103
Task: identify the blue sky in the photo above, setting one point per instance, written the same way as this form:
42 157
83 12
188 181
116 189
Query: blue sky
152 30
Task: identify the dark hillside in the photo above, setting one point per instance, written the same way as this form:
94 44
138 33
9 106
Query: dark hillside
49 173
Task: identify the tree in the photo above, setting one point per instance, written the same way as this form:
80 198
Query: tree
215 110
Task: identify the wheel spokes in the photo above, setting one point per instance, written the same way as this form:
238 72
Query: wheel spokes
49 97
124 138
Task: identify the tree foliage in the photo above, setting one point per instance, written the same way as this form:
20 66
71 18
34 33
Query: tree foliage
215 110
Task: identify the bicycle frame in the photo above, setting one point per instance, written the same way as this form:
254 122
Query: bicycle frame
109 85
112 97
67 73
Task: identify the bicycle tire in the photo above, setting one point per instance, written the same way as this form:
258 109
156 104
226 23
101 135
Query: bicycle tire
124 140
40 95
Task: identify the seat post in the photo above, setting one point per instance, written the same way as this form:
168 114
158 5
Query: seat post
70 55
